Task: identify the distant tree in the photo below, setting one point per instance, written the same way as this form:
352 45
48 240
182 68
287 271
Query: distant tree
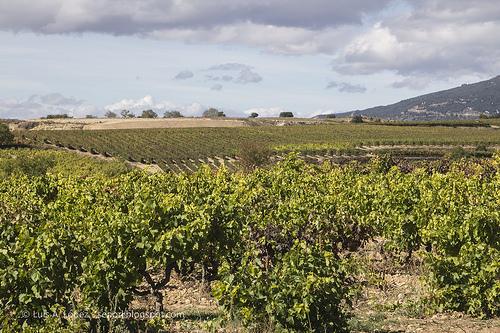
357 119
110 114
326 116
172 114
213 113
90 116
127 114
6 136
149 114
58 116
286 114
254 115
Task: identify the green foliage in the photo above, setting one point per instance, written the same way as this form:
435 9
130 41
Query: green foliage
110 114
356 119
302 291
22 164
149 114
286 114
213 113
6 137
195 143
127 114
172 114
276 241
40 162
252 155
58 116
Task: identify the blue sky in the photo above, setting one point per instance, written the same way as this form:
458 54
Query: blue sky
85 63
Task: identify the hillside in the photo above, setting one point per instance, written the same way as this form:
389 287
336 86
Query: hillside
465 102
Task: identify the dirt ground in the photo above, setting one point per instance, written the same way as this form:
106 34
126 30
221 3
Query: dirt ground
103 124
389 301
143 123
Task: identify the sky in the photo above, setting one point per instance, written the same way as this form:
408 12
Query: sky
310 57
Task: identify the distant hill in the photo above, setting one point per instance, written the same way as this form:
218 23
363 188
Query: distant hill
468 101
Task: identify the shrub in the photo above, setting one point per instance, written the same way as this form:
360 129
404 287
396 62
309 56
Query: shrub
149 114
6 136
58 116
110 114
127 114
172 114
253 155
253 115
213 113
286 114
303 291
357 119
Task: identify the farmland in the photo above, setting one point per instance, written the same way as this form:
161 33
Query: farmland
190 145
290 248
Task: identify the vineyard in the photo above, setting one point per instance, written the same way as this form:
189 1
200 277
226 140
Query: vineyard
280 249
189 147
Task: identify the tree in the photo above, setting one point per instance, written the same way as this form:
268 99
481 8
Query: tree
6 137
213 113
149 114
58 116
90 116
127 114
110 114
254 115
172 114
286 114
357 119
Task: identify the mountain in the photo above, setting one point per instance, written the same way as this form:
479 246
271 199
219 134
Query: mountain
468 101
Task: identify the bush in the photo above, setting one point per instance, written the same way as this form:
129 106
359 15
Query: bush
213 113
357 119
253 115
6 136
286 114
253 155
110 114
149 114
172 114
58 116
301 292
127 114
26 165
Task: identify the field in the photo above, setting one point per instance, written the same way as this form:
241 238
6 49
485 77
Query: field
191 146
376 247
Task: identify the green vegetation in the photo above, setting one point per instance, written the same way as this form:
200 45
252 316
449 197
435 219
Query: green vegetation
58 116
41 162
213 113
196 143
286 114
277 243
110 114
357 119
149 114
172 114
6 137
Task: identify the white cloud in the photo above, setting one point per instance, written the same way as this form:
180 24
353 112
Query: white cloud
244 74
217 87
265 112
415 83
424 38
42 105
148 102
346 87
184 75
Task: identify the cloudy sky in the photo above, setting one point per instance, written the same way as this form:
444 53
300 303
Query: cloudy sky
309 57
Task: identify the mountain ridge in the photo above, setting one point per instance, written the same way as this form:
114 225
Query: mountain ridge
468 101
